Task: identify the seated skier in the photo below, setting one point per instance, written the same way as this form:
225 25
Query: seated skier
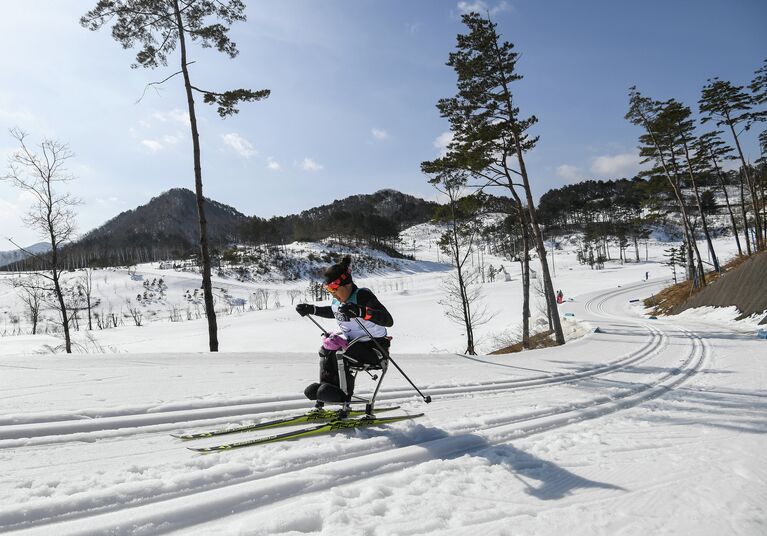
354 348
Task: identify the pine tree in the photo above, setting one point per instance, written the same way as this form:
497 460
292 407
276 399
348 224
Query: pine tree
158 27
659 144
671 255
679 116
710 152
758 87
728 104
489 133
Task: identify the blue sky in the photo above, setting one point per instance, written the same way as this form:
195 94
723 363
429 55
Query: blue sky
354 86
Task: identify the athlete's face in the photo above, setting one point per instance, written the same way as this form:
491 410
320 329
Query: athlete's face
342 293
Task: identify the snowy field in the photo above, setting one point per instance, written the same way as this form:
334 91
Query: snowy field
644 426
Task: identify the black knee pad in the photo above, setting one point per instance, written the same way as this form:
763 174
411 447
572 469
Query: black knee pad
330 393
311 391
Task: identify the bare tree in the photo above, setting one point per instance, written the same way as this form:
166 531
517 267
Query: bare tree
52 215
293 294
86 284
463 229
135 312
32 292
74 298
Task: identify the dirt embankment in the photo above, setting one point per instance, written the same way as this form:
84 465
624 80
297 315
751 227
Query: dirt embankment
744 286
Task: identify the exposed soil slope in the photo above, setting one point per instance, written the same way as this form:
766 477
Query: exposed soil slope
744 286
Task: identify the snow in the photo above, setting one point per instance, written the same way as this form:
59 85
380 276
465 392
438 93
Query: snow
644 426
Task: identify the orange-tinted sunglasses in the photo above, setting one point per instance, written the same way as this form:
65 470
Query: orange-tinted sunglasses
333 285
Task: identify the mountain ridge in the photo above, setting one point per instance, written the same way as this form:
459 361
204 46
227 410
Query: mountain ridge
167 226
15 255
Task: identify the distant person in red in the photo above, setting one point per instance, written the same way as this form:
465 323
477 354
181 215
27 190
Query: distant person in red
560 297
353 347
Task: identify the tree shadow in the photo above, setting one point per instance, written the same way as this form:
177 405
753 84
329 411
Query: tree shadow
732 409
542 479
741 410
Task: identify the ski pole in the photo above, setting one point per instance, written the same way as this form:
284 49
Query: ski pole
426 398
318 325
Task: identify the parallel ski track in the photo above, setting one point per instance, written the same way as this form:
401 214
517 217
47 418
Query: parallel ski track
136 423
219 500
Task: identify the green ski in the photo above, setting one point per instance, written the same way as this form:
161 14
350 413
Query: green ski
311 416
320 429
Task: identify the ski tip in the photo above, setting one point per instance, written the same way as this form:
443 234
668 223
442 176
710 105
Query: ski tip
188 437
206 450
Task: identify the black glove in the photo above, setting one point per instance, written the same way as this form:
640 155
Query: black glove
305 309
351 310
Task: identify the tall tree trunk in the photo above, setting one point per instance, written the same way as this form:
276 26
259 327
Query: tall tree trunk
636 248
549 312
525 282
525 268
706 233
744 213
62 307
764 207
759 244
55 274
727 202
701 278
465 305
207 286
759 228
539 245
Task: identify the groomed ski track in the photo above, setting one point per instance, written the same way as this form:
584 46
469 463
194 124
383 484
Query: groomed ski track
630 361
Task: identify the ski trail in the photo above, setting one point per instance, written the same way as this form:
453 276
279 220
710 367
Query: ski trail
58 428
266 489
188 509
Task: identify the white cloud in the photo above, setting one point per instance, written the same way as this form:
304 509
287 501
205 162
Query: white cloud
379 133
170 140
240 145
568 172
16 116
272 164
13 208
173 116
482 7
310 165
152 145
442 141
618 165
9 210
478 6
